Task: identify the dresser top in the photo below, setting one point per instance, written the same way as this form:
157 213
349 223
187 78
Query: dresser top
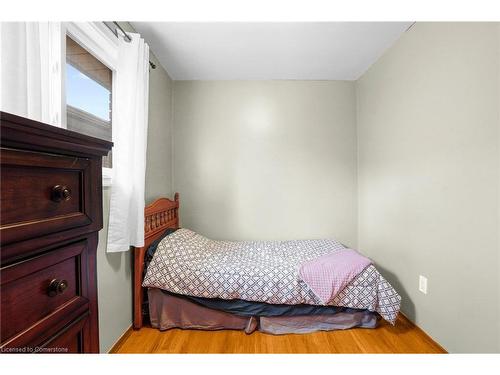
20 132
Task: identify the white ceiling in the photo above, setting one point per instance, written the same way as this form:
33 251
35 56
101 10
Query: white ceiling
258 51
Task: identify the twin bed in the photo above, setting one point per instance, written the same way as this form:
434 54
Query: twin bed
185 280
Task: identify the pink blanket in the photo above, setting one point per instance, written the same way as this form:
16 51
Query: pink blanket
327 275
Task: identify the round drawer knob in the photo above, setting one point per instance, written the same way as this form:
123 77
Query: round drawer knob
57 287
61 193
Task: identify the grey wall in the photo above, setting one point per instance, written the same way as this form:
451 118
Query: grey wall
114 286
159 154
114 269
428 137
498 208
266 159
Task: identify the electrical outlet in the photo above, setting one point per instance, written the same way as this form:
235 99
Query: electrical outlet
422 284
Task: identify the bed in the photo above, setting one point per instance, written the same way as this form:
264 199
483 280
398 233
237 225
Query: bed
186 280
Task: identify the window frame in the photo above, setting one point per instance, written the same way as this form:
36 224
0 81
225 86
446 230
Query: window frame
98 40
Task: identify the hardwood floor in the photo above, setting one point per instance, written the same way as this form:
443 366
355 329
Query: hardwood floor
404 337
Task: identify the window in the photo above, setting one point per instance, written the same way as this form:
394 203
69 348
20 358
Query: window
88 95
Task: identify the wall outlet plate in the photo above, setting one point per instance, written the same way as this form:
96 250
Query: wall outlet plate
422 284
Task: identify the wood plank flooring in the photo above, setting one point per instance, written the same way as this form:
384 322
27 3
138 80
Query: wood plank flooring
404 337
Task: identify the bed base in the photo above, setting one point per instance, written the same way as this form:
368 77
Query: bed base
158 216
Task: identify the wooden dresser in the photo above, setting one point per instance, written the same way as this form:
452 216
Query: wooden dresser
51 211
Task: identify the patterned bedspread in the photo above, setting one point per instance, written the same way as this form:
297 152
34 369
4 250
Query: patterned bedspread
265 271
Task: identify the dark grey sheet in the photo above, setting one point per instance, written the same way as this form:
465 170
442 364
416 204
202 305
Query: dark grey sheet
261 309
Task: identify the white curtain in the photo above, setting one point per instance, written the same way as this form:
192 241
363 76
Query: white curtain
130 125
26 70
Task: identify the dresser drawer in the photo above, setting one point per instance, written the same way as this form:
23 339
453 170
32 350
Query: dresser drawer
37 288
42 193
70 339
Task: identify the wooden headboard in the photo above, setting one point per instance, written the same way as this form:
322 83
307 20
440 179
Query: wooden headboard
158 216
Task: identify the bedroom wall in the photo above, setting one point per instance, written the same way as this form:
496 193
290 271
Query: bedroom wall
266 159
428 138
114 269
498 154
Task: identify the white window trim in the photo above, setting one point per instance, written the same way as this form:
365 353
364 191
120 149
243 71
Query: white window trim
107 176
55 75
96 38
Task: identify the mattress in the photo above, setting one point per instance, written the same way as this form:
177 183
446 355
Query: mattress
188 263
169 311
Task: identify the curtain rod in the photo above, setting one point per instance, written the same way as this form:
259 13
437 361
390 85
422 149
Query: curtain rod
126 37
